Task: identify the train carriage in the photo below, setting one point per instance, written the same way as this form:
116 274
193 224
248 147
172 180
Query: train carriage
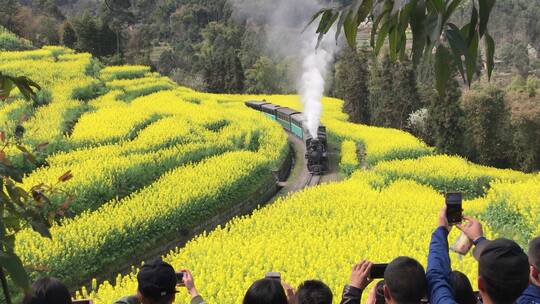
284 117
297 125
257 105
270 110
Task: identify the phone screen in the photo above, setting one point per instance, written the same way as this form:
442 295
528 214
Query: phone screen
82 301
453 208
377 271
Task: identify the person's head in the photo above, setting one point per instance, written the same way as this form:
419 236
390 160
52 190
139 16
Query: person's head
534 260
404 281
157 283
314 292
503 272
462 288
47 291
265 291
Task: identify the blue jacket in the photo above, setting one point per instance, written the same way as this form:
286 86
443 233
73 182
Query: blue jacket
438 269
531 295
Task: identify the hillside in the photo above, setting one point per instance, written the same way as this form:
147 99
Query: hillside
151 159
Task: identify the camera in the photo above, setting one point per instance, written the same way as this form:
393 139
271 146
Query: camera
377 271
273 275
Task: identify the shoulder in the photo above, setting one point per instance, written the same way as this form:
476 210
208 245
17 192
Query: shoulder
127 300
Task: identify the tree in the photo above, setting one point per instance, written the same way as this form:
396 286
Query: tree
393 93
87 33
445 120
488 122
218 55
516 55
68 37
20 208
264 77
429 21
352 79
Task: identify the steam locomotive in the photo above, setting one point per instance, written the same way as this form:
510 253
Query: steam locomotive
294 122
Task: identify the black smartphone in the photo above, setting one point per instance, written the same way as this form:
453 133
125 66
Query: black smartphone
454 210
377 271
180 278
82 301
273 275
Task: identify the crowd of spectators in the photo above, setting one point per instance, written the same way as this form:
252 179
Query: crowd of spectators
506 275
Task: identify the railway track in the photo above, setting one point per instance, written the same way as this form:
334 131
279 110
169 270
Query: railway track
313 180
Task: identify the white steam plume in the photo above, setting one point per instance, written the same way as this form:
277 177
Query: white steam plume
285 21
312 83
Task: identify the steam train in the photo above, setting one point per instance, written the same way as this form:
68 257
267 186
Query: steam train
294 122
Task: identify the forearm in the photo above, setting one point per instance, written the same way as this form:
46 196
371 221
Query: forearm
351 295
438 270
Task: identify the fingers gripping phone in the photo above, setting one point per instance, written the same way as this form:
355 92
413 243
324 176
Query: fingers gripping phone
377 271
454 210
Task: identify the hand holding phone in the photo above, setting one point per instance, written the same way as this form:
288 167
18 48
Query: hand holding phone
180 278
454 210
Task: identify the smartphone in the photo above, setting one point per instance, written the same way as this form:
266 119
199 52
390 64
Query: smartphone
273 275
454 210
82 301
377 271
179 278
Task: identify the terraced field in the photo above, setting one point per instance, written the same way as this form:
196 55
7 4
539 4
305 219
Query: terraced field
150 158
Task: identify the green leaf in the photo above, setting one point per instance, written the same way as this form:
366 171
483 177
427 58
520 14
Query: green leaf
485 10
342 16
14 267
317 15
490 53
350 27
472 25
442 69
457 44
10 171
452 6
471 58
439 5
41 227
419 37
381 35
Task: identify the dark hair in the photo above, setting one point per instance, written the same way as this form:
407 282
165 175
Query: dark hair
265 291
406 280
314 292
47 291
462 288
534 252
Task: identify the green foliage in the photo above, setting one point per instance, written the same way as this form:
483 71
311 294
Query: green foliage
89 91
506 222
392 93
352 78
265 76
516 55
94 36
222 68
428 20
68 37
488 122
11 42
446 119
